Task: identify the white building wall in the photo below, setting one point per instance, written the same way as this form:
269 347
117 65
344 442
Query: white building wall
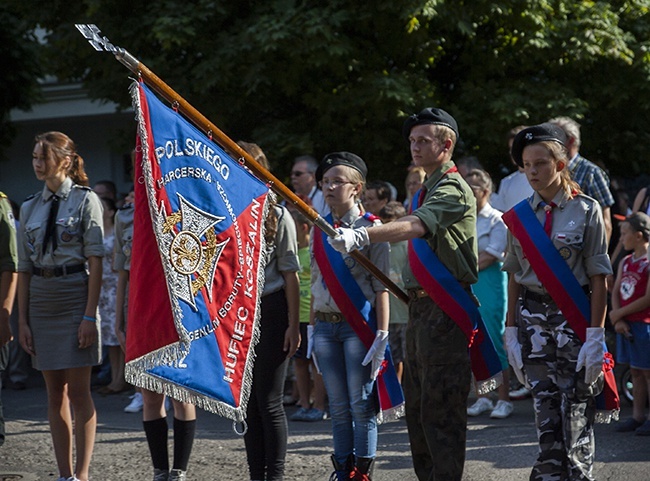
99 131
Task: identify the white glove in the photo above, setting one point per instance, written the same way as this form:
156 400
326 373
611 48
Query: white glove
592 353
513 349
310 341
376 353
349 240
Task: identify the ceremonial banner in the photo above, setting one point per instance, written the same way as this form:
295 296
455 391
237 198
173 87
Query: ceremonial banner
196 268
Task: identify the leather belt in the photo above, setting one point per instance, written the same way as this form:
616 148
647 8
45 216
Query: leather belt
49 272
415 294
536 296
332 317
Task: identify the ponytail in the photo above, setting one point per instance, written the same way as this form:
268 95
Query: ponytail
58 146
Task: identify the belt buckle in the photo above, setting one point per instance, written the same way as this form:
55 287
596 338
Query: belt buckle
336 317
48 273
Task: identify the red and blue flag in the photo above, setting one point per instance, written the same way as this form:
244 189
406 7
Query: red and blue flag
196 266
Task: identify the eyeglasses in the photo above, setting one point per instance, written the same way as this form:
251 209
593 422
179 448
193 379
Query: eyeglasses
297 173
334 183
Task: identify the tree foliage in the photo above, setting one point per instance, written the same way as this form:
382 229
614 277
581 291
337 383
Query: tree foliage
304 76
20 68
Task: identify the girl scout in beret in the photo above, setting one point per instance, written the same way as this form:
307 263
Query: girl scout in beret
544 349
348 367
60 249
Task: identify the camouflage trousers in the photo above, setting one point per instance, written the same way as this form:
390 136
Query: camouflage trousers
564 405
436 384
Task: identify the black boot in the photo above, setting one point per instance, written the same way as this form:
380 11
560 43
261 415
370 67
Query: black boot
363 469
342 470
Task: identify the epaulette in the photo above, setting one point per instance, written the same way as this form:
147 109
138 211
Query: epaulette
77 186
3 195
126 206
30 197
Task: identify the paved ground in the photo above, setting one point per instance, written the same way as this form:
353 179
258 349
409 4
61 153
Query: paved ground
500 450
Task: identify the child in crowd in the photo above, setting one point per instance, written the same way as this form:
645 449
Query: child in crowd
491 288
399 312
301 359
630 316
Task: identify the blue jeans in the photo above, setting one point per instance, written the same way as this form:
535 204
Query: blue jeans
339 353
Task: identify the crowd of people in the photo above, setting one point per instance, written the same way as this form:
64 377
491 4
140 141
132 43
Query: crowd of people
534 257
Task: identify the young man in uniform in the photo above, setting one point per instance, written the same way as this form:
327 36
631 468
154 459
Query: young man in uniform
437 373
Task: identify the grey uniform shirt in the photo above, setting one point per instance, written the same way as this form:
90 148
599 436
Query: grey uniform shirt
79 228
379 255
282 256
123 238
578 234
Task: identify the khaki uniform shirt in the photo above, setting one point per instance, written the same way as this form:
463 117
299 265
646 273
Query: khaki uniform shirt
8 253
578 233
379 255
123 238
79 228
449 214
282 255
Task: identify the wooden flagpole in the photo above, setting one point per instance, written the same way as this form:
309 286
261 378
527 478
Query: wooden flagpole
101 43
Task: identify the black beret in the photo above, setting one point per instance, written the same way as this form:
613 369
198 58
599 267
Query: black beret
430 116
533 135
341 158
639 222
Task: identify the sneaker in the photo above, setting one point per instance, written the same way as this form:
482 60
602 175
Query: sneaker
160 474
481 405
522 393
629 426
177 475
135 406
300 415
314 415
502 410
643 430
72 478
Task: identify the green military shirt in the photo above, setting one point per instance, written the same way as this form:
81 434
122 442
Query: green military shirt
449 215
8 253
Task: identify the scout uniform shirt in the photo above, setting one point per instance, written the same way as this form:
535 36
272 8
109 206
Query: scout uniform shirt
123 238
369 284
449 214
578 233
79 228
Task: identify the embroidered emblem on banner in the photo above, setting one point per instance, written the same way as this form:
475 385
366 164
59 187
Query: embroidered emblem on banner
193 252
